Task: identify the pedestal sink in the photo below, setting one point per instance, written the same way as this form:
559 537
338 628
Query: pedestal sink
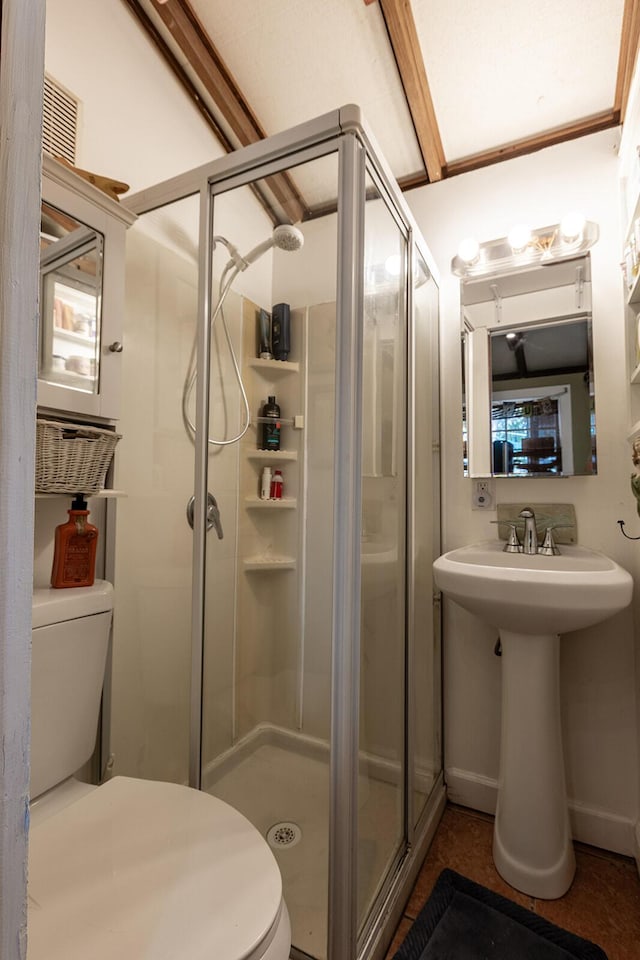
531 599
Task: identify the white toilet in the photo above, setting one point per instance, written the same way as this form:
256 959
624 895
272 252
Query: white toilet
133 869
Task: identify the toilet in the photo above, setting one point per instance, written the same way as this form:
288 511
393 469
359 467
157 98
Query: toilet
132 869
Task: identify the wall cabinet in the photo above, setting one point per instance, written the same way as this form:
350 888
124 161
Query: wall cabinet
82 246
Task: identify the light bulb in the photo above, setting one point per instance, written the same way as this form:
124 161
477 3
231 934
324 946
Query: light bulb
572 227
519 237
469 250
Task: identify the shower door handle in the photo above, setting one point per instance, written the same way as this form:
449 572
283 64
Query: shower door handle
213 514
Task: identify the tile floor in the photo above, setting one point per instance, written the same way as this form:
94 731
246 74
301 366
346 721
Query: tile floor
603 904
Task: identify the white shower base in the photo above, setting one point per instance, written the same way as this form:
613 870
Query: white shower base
276 776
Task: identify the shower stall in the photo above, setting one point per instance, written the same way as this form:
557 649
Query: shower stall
284 654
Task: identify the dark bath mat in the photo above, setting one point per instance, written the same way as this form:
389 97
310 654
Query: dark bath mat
462 920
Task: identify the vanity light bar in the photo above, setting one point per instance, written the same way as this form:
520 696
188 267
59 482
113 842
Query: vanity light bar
524 247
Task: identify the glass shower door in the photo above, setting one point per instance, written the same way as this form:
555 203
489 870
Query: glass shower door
150 680
266 706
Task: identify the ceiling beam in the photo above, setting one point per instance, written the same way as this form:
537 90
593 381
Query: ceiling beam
601 121
629 41
403 35
207 80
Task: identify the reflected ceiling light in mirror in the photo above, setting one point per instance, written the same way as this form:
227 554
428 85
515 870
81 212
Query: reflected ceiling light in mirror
524 248
515 339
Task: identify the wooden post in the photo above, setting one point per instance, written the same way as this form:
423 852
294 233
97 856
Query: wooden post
21 82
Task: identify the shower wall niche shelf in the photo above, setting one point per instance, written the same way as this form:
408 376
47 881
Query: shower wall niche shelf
273 366
286 503
273 455
269 564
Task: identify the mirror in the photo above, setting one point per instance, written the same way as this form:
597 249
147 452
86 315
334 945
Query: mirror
71 256
528 388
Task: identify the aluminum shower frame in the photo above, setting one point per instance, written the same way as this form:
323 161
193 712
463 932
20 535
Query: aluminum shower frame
343 131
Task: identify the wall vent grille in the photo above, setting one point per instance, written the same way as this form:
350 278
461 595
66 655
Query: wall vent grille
59 121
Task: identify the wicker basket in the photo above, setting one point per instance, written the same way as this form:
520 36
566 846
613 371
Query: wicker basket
72 458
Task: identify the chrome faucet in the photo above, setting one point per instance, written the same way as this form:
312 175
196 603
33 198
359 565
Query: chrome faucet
530 538
530 543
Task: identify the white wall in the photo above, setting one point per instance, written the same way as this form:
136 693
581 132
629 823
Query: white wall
137 124
597 665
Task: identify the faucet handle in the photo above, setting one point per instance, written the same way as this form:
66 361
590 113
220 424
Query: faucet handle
549 547
512 545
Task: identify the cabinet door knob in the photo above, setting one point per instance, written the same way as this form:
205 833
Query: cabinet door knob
115 347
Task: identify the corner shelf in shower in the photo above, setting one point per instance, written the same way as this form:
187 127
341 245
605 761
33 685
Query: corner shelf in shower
286 503
266 564
273 366
272 455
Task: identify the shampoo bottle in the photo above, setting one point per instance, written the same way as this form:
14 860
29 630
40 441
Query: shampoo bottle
264 336
74 556
265 484
277 486
271 425
281 331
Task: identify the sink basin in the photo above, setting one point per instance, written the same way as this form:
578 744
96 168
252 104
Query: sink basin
531 600
534 594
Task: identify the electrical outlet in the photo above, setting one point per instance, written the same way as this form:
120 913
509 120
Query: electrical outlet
483 495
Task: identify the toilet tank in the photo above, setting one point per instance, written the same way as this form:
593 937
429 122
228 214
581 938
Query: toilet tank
70 641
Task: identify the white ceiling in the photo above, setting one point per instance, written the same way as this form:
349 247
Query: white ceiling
509 69
296 59
498 71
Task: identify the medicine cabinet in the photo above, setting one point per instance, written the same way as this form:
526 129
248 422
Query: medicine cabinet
82 240
529 395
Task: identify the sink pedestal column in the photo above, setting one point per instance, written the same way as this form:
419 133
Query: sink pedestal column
532 846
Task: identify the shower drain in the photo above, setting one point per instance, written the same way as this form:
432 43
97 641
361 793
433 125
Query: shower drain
285 834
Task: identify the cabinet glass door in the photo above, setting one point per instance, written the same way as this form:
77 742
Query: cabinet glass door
71 259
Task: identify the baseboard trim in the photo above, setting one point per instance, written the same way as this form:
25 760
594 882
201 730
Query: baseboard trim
471 789
592 825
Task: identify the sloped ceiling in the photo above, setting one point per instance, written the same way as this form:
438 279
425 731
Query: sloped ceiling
446 87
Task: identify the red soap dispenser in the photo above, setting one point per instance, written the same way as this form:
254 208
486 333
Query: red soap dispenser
74 555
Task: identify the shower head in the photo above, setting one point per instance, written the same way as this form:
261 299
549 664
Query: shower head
284 237
287 238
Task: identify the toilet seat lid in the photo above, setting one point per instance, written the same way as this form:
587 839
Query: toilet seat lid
151 871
